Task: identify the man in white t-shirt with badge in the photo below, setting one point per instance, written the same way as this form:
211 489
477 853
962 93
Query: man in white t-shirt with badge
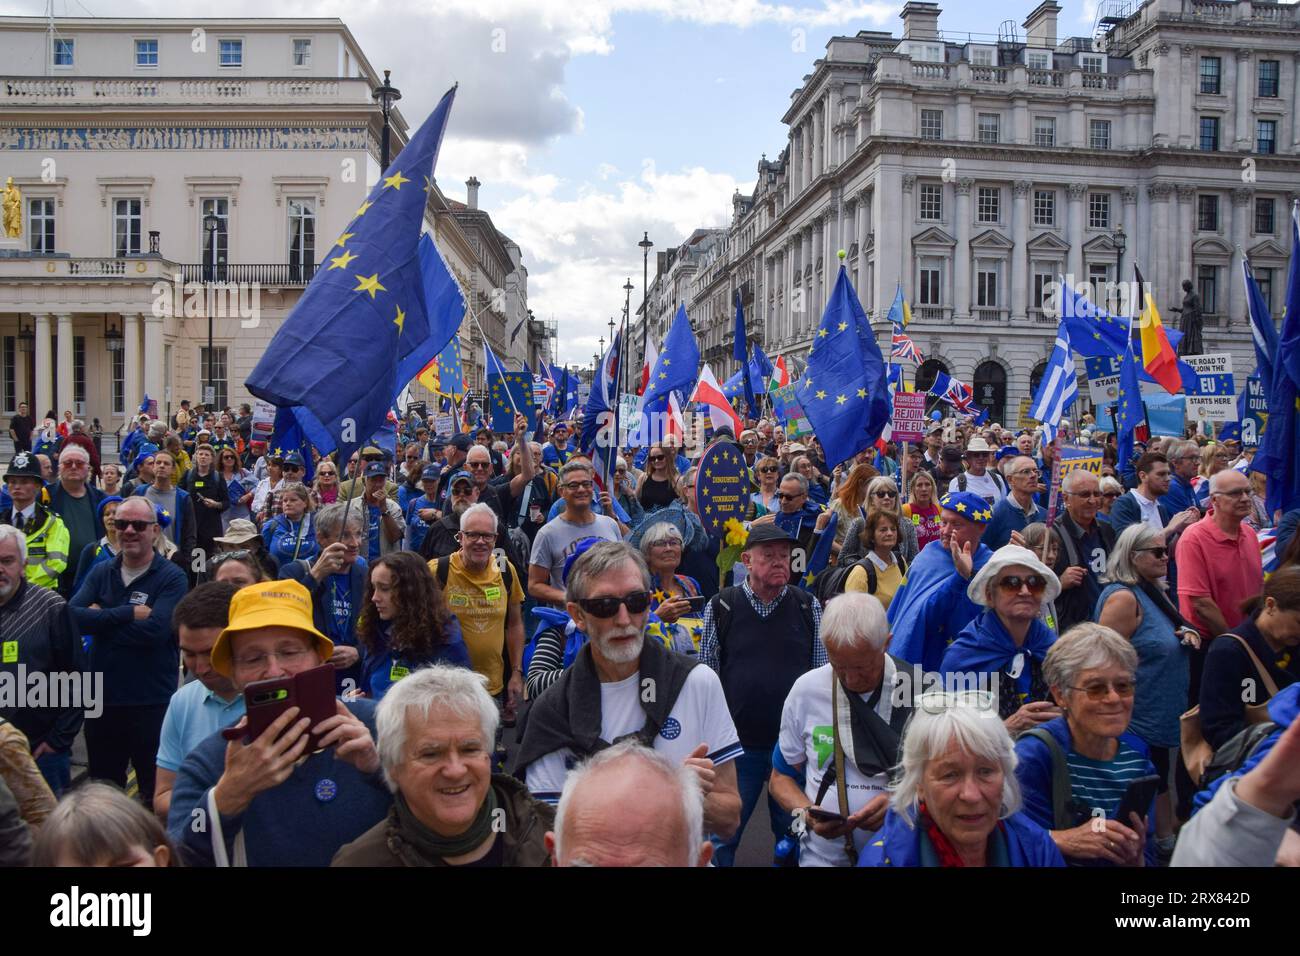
977 478
843 748
622 686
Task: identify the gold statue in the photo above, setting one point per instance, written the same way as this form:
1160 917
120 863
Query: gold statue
13 209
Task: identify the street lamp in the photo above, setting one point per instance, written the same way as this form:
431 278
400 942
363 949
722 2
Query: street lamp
385 96
1120 241
627 324
645 245
211 223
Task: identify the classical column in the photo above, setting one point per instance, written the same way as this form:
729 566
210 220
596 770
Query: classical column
809 138
819 138
44 368
1245 90
130 362
1021 134
886 215
1078 132
820 257
1129 197
961 288
64 361
1076 193
1160 244
833 157
1186 124
1241 210
153 359
1186 231
1166 105
861 216
1295 103
905 252
965 118
1019 270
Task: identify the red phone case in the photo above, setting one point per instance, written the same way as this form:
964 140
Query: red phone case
311 691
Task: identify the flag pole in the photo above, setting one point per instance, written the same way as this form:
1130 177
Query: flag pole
488 347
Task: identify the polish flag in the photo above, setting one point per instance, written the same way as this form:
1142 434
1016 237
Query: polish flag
675 427
709 392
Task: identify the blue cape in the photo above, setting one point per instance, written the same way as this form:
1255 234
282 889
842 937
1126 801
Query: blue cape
931 609
897 844
1283 710
985 646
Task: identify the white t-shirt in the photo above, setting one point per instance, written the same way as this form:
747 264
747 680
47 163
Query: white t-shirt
982 485
806 738
699 716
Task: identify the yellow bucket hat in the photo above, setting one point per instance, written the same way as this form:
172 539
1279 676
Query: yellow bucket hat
268 604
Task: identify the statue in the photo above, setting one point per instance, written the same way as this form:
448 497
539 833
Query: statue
1190 322
13 210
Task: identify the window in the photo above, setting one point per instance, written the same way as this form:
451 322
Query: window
1266 136
1092 63
63 52
931 202
1038 60
989 123
126 227
1269 75
988 204
1209 133
929 286
230 53
1211 74
981 56
1098 210
218 372
302 238
218 206
10 374
1264 221
1207 285
79 374
1207 213
302 52
146 52
118 379
1098 278
1044 207
1042 290
1044 130
1264 280
40 223
1099 134
931 124
986 289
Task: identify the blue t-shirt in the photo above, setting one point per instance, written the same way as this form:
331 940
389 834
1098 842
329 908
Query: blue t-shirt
193 715
382 670
556 456
376 523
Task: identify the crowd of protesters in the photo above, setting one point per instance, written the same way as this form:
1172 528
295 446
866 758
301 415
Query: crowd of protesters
987 670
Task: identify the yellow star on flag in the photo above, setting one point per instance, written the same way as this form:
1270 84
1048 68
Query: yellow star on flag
370 285
862 393
395 180
821 333
840 400
364 206
843 326
343 239
400 321
821 394
341 262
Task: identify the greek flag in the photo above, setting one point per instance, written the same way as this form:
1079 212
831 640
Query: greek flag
1059 387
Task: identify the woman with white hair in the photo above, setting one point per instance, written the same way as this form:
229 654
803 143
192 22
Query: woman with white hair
882 495
956 801
435 733
1007 641
1134 603
677 621
1074 770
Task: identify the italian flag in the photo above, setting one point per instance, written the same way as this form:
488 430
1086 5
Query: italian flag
780 377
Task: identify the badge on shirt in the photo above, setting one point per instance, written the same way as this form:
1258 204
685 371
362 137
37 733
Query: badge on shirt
9 652
397 672
139 597
457 600
1017 665
492 593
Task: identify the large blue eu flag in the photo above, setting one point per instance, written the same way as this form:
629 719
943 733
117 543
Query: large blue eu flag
337 353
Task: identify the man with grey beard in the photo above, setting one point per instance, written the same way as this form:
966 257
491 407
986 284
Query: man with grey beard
37 635
621 686
441 538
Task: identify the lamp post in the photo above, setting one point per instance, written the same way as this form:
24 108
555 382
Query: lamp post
627 325
385 96
211 223
645 245
1120 241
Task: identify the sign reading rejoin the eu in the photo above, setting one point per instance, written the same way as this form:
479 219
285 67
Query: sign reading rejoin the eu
1256 414
721 487
909 416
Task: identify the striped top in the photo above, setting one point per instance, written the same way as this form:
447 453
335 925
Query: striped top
1101 783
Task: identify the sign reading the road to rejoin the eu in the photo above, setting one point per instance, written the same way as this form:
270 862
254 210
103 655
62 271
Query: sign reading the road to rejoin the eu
1215 398
787 408
909 416
1252 422
721 487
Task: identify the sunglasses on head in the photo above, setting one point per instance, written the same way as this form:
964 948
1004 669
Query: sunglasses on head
230 556
604 607
135 524
1012 583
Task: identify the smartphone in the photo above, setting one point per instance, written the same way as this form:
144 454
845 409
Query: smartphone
1137 798
825 816
697 602
311 691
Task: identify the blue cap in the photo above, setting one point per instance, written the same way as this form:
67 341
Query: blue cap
431 473
376 469
458 476
292 458
1006 451
967 504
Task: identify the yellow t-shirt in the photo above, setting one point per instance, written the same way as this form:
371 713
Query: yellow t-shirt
479 602
887 582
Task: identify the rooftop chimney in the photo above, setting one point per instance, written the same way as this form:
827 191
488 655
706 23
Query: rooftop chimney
920 21
1040 26
471 192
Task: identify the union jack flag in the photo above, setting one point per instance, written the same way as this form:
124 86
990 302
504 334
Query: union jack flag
903 347
959 395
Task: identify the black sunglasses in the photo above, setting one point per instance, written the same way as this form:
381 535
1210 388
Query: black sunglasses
1158 553
1012 583
135 524
604 607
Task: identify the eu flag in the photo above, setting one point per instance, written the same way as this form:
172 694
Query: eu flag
1130 413
337 353
444 375
740 352
1279 453
445 306
288 435
844 391
508 391
674 371
1095 332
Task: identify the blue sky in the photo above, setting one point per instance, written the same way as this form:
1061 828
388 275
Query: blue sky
591 121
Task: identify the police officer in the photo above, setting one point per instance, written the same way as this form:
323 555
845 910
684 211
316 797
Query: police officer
47 537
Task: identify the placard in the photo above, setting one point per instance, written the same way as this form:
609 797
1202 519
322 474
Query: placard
786 407
263 421
721 487
1252 422
444 426
909 417
1215 397
1069 458
1024 419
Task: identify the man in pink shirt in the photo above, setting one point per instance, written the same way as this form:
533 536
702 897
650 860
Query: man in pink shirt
1218 558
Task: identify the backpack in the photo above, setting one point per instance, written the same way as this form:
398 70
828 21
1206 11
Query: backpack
722 612
507 575
833 580
997 480
1067 812
1236 751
